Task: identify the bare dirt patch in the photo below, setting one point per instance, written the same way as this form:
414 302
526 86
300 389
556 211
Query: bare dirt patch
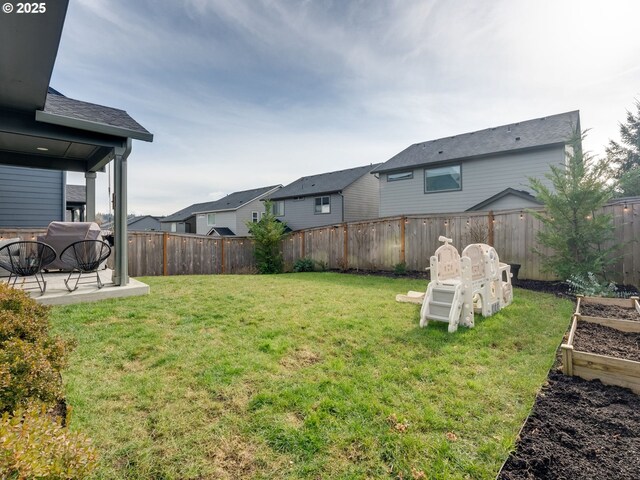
234 458
608 311
581 429
300 358
594 338
578 429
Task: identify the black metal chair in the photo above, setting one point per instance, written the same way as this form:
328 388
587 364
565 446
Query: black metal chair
83 257
26 259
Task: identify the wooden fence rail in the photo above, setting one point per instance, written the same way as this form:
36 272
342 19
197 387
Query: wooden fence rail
379 244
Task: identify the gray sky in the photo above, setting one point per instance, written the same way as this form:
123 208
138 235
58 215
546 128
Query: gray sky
243 94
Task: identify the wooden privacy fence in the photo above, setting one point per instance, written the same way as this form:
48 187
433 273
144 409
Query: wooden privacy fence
379 244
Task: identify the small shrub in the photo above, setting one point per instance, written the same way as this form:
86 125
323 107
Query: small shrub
30 359
303 265
31 371
322 265
32 445
590 286
267 235
21 317
400 268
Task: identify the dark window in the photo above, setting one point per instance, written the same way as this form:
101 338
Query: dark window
442 179
392 177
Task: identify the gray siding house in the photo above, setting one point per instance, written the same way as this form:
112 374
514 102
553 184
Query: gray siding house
484 170
31 197
224 217
328 198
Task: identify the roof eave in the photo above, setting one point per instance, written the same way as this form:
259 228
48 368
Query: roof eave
46 117
472 157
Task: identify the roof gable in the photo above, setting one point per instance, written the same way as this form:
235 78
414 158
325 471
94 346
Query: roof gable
329 182
536 133
505 193
232 201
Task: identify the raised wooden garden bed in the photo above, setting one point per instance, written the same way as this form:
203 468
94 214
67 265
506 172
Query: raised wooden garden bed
609 369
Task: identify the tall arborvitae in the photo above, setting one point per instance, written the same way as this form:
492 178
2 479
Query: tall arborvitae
574 227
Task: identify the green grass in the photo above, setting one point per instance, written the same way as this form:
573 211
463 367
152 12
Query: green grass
308 375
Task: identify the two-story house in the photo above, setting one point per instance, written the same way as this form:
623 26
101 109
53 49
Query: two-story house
225 217
483 170
328 198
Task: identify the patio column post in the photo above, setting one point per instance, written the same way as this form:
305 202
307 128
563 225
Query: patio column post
90 181
120 273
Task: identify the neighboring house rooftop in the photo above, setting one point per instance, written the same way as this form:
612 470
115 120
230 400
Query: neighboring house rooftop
504 193
323 183
539 132
233 201
76 194
131 221
221 232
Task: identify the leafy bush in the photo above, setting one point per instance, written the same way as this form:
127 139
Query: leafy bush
400 268
590 286
32 445
303 265
30 359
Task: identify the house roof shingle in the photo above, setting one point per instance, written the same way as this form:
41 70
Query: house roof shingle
539 132
232 201
59 108
323 183
76 194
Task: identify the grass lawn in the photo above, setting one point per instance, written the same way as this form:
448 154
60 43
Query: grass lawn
317 375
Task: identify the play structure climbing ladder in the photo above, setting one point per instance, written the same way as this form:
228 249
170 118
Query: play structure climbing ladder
477 281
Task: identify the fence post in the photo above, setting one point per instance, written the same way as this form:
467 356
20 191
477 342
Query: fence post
222 266
403 226
303 252
491 220
345 245
165 269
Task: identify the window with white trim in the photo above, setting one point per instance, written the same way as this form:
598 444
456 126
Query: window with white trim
278 208
211 219
393 177
255 217
322 205
442 179
174 227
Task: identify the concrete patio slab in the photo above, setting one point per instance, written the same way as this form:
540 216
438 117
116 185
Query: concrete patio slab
57 294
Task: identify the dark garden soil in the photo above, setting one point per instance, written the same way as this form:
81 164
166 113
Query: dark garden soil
594 338
609 311
581 429
578 430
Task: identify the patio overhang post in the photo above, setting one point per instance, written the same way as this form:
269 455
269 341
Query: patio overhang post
121 273
90 209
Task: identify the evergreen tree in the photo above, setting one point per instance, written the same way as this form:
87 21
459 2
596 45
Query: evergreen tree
573 226
626 154
267 235
629 183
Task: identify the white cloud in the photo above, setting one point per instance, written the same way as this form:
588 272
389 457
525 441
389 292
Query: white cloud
242 94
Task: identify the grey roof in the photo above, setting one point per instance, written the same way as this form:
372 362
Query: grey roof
221 232
61 110
131 221
329 182
545 131
232 201
76 194
507 191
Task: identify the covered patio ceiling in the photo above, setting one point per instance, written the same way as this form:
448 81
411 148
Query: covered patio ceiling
41 128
